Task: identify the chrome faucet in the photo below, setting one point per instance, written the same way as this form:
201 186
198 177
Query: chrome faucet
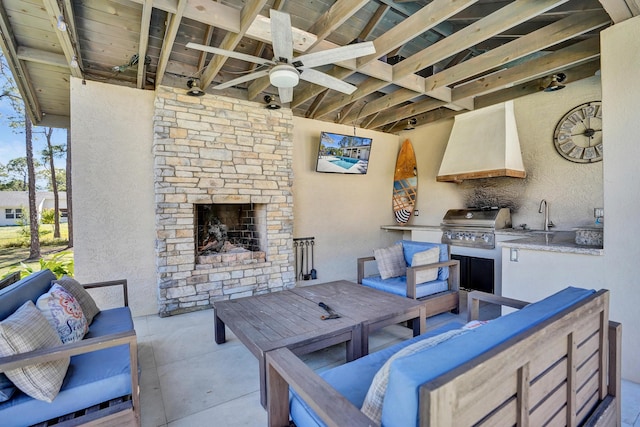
547 223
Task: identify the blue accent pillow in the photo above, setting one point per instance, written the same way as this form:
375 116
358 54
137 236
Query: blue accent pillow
411 247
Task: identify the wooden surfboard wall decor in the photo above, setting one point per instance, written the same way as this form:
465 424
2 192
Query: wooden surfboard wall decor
405 184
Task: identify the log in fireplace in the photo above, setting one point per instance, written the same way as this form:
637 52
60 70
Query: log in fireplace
229 228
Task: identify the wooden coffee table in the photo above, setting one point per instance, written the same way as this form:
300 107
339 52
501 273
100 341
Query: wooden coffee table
291 319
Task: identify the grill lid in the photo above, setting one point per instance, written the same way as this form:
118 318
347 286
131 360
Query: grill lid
494 218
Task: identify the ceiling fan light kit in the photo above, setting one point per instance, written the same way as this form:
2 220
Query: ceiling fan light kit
284 75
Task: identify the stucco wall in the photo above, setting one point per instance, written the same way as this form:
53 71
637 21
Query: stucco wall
112 136
620 88
571 189
343 212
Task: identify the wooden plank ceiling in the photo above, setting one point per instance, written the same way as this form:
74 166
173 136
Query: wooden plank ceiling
434 59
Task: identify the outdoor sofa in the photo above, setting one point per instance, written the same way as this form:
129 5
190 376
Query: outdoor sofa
553 362
99 388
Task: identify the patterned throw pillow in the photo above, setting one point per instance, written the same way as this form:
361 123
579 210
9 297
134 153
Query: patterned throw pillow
89 307
390 261
64 313
372 405
430 256
27 330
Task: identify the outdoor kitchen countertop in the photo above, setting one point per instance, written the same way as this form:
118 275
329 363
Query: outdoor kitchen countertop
551 241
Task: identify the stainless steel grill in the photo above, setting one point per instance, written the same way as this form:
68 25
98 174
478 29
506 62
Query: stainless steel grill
474 228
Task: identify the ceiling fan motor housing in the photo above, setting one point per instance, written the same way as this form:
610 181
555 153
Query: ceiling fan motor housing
284 75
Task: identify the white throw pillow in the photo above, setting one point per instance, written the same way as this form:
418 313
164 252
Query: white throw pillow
64 314
430 256
390 261
27 330
71 285
372 405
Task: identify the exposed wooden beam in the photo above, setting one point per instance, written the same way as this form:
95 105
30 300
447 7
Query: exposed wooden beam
621 10
169 39
416 24
480 10
311 90
18 70
316 103
574 74
557 61
335 16
373 22
64 37
402 113
550 35
495 23
394 98
206 40
42 57
368 86
507 17
72 29
145 23
231 40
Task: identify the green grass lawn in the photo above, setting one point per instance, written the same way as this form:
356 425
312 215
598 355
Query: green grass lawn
11 255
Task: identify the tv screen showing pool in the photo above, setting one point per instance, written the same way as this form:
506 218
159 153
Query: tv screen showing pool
343 153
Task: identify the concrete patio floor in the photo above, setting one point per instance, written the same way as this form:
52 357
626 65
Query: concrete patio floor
188 381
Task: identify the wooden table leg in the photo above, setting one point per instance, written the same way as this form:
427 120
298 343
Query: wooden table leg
263 380
219 329
419 323
355 345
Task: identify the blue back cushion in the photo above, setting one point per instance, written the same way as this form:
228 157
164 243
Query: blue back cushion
29 288
410 247
409 373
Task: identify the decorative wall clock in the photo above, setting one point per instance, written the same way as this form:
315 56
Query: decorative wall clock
578 135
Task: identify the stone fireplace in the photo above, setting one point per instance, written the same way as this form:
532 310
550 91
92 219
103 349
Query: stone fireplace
224 209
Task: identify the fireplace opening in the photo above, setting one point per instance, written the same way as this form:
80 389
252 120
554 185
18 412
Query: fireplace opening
229 228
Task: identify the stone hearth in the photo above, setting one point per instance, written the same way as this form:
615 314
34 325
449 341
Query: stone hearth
217 150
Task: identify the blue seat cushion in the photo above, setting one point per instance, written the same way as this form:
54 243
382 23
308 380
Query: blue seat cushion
92 378
398 286
407 374
410 248
353 379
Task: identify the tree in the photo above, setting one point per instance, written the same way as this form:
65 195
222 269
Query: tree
34 250
18 122
49 154
69 190
17 168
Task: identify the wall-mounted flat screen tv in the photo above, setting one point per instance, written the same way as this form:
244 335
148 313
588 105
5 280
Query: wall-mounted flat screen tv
343 153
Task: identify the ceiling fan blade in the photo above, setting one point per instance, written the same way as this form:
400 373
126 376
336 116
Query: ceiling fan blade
242 79
229 53
331 56
281 37
317 77
286 94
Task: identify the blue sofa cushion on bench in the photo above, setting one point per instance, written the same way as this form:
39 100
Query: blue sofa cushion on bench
353 379
407 374
398 286
29 288
84 385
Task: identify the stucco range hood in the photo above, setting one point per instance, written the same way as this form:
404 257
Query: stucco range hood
483 144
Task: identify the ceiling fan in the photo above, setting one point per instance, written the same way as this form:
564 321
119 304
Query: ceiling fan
284 70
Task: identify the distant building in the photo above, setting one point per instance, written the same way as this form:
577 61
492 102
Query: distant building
15 205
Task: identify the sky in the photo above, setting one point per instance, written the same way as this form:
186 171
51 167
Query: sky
12 144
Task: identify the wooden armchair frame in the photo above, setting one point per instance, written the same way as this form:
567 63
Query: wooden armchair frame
116 413
285 370
437 303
